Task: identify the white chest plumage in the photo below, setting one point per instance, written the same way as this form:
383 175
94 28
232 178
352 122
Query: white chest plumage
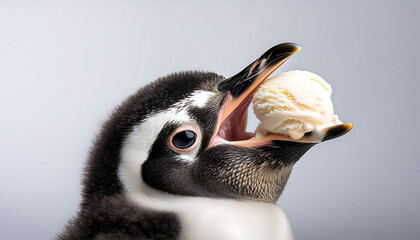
233 220
222 219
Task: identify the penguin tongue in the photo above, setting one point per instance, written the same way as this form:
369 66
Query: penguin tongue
234 126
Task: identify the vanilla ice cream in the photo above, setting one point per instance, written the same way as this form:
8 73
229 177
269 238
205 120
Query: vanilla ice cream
294 103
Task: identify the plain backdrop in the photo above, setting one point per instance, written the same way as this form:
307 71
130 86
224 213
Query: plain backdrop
64 65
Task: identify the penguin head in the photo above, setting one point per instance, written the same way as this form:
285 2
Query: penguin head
184 135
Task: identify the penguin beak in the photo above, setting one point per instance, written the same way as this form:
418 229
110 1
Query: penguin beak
240 88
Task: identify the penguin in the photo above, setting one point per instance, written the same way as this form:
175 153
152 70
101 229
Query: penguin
174 161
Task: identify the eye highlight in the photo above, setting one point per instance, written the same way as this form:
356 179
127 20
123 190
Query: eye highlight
184 138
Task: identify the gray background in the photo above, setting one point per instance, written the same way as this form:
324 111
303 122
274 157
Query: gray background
65 65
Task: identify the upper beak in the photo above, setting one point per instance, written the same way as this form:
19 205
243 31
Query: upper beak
243 85
240 89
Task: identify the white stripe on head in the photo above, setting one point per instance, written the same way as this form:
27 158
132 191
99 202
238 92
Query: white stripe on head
138 143
197 99
200 98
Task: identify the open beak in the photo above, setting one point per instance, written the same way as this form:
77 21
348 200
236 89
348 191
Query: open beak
240 89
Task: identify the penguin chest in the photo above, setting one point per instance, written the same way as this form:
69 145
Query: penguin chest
233 220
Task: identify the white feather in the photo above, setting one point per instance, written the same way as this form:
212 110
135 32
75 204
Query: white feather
200 98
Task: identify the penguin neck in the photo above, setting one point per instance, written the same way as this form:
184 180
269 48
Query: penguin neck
208 218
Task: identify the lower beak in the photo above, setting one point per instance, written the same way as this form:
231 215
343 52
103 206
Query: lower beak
240 89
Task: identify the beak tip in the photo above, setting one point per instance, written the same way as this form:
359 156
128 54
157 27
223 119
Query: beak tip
349 126
337 131
296 46
290 47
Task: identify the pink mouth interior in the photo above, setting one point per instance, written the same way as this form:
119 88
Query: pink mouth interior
233 128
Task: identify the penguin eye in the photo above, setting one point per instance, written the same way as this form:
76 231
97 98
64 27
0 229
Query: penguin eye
183 139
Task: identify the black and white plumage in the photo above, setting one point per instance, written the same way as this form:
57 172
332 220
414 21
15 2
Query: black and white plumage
139 185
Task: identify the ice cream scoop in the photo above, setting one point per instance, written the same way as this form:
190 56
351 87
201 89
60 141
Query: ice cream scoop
294 103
